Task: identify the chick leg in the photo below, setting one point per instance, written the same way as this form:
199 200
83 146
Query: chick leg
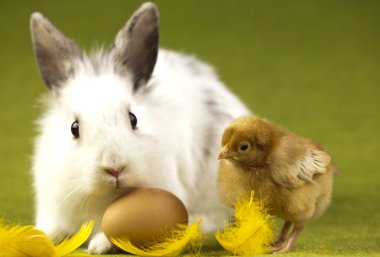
289 243
283 235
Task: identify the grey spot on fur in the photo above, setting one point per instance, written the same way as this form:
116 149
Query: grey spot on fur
215 107
194 66
218 115
210 103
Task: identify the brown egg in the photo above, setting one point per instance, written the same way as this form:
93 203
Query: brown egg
144 215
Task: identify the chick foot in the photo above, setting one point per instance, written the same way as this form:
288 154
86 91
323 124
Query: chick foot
288 244
283 235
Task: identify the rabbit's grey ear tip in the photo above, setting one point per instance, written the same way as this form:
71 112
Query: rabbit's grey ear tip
36 16
148 6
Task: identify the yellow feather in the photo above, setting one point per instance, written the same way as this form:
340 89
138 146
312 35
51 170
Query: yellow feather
250 233
24 241
69 245
172 245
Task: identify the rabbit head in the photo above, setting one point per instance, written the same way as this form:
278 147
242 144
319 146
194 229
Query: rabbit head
93 133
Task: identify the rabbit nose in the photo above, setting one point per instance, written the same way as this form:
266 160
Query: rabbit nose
114 171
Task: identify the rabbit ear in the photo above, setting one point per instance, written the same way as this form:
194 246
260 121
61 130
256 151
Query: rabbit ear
135 48
54 52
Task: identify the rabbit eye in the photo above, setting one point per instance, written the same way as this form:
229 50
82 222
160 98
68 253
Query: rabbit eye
75 129
133 120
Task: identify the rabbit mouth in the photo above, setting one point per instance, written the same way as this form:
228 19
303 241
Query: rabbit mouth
124 190
118 184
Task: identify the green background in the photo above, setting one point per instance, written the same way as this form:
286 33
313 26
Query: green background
311 66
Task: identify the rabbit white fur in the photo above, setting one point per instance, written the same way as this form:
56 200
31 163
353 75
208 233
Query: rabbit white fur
181 109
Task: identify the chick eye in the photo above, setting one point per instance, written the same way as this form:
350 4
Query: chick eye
133 120
75 129
244 147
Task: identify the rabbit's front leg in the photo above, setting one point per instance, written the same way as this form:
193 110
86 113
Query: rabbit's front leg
49 225
99 244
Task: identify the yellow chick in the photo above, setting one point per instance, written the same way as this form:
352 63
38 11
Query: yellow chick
292 174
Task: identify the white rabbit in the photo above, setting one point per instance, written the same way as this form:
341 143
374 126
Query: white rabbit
133 116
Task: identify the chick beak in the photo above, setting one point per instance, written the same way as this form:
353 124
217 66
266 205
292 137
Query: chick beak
224 154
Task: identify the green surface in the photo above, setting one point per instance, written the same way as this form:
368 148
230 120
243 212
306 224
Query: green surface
312 66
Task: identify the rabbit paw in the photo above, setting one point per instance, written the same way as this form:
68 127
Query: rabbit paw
99 244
